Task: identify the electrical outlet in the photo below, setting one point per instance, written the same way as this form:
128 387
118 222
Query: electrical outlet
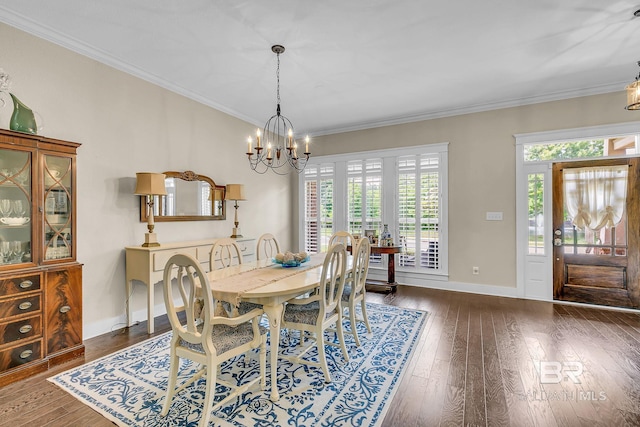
476 270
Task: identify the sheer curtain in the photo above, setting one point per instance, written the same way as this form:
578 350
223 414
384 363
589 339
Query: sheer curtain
595 196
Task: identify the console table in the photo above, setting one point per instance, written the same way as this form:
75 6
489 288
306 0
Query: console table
146 265
390 284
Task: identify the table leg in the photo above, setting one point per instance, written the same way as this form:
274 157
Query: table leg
128 301
274 313
391 269
150 302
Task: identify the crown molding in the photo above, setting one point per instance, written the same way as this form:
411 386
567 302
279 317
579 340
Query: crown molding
478 108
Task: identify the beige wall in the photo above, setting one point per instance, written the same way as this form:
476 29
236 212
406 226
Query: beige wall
126 125
482 172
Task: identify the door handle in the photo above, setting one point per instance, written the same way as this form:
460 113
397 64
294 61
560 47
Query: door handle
557 237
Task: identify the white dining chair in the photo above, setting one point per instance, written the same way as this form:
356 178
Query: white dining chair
226 253
319 311
267 247
204 338
343 237
355 289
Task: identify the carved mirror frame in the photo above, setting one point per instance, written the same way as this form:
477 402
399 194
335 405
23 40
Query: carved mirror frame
160 201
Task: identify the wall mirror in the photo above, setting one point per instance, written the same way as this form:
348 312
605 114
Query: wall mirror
190 197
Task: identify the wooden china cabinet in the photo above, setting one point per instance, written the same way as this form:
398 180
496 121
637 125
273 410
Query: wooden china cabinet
40 279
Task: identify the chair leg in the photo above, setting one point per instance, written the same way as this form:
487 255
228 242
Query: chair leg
174 363
354 325
341 338
364 314
322 357
209 394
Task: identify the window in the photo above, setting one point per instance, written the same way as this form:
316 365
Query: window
318 207
404 188
536 213
419 210
364 189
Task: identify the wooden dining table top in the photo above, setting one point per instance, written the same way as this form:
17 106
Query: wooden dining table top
264 279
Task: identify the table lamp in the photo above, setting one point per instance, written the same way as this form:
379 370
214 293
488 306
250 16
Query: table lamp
150 184
235 192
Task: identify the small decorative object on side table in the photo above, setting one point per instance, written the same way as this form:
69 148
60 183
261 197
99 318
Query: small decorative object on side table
385 237
372 236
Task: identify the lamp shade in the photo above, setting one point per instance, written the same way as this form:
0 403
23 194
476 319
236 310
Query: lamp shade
150 183
633 96
235 192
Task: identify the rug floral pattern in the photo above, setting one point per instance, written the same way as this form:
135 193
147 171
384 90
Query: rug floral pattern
129 386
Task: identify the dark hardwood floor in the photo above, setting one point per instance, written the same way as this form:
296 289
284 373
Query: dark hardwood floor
477 364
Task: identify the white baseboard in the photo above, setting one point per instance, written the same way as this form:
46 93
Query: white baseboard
434 281
114 323
474 288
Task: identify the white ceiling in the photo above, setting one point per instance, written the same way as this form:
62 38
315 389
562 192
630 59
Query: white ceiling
351 64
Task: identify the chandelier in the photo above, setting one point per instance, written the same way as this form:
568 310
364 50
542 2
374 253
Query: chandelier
275 148
633 93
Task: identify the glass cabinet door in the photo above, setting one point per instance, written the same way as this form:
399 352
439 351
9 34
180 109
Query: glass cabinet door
15 207
57 207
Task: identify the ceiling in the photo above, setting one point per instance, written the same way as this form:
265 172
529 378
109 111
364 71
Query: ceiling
351 64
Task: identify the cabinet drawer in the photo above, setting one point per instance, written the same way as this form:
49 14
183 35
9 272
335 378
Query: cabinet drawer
30 327
16 285
203 254
247 246
20 355
160 258
18 306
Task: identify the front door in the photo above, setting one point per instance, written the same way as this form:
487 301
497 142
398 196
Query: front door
596 232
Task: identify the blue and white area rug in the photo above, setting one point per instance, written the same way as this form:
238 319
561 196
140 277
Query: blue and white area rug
129 387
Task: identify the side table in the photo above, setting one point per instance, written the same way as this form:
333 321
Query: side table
390 284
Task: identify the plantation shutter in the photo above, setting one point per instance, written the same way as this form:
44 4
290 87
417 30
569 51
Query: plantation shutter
419 210
364 199
318 200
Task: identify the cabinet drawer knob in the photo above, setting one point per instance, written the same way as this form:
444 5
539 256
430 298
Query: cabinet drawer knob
65 309
26 354
25 305
26 284
25 328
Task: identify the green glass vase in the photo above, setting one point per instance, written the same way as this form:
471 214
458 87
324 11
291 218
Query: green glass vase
22 119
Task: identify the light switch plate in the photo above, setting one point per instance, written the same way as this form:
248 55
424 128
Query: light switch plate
494 216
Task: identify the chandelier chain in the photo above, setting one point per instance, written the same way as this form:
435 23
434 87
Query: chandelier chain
278 79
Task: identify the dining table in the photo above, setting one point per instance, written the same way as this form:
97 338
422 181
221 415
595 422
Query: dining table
270 284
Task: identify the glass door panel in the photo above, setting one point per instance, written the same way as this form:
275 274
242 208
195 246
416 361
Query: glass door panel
15 207
57 207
